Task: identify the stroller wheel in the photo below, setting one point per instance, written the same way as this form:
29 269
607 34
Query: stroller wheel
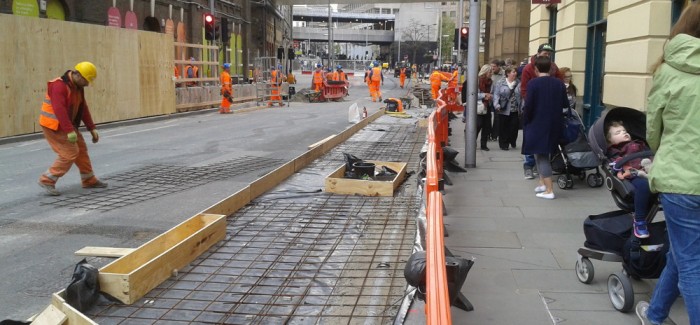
599 180
584 270
592 180
561 182
620 292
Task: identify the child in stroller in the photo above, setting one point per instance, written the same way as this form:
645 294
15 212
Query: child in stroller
622 149
609 235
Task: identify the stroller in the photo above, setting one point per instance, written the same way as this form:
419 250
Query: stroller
609 236
574 155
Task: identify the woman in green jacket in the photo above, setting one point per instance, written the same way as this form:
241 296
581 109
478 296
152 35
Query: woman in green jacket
673 132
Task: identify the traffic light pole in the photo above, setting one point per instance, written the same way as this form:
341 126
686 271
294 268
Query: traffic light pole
472 87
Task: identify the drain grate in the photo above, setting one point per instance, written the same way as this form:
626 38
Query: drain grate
157 180
338 259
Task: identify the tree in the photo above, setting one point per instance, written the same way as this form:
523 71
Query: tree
413 38
447 28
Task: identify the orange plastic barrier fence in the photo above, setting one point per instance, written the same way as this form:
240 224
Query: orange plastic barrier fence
437 295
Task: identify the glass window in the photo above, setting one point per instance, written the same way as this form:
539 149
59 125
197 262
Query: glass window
552 38
453 14
595 57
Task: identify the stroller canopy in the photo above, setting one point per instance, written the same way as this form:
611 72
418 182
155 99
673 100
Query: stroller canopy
634 121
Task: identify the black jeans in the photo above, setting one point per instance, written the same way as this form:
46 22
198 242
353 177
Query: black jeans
508 129
483 126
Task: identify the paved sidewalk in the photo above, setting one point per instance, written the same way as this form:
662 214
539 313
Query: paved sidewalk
525 247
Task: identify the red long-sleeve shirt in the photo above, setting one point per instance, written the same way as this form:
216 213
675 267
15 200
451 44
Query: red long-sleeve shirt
69 111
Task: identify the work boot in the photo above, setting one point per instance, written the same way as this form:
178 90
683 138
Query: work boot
50 189
97 184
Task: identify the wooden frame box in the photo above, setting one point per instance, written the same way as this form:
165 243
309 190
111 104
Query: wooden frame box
336 183
133 275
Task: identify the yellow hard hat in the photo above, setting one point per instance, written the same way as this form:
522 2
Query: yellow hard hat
87 70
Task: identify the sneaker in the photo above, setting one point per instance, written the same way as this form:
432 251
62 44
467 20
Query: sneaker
540 189
528 173
534 171
640 229
50 189
98 184
546 196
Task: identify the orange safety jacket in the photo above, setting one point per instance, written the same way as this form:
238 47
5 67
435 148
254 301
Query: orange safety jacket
64 106
318 76
335 76
376 74
437 78
226 88
402 72
342 76
273 78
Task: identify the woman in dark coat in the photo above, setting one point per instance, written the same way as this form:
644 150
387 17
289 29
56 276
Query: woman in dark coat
542 122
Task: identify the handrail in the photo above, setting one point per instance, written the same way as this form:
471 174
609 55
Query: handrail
437 293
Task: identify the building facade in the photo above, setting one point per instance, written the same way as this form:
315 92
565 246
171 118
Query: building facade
610 46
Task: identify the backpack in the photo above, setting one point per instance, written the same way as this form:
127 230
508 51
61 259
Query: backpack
84 289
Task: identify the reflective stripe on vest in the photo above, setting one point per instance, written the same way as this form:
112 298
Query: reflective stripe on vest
318 77
47 118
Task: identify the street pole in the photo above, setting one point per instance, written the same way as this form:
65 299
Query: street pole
330 35
459 34
472 87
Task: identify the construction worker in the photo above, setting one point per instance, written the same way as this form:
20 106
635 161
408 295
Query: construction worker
452 85
191 71
276 79
414 73
63 109
329 74
436 79
402 76
226 90
340 74
317 78
376 79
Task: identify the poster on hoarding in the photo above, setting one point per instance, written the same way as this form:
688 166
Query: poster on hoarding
114 17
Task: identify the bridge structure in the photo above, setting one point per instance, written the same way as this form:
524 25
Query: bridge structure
356 28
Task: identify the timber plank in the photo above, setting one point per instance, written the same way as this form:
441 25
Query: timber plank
103 251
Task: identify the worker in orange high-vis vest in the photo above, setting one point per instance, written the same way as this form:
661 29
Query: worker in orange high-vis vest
376 79
317 78
367 71
191 71
436 79
342 77
452 85
63 109
402 76
226 90
276 79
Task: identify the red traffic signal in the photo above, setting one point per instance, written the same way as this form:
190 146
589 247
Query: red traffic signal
209 27
464 31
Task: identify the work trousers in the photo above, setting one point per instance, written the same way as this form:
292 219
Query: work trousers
68 154
375 89
225 105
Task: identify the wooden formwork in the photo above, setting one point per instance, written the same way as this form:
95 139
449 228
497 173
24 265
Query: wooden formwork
138 271
134 70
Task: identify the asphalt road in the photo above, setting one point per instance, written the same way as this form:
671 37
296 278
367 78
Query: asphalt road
39 234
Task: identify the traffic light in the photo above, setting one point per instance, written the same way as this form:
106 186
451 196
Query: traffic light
209 27
290 54
225 34
464 36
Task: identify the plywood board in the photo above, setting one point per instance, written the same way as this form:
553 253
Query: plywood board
51 315
271 179
132 276
335 183
103 251
44 49
74 316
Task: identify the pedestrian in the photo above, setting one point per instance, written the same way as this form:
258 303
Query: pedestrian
317 78
571 90
402 76
496 75
226 90
436 80
63 110
192 71
376 79
528 73
620 145
485 95
673 133
542 122
506 103
276 79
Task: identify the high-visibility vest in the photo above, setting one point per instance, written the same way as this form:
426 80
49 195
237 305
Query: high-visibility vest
335 76
273 77
403 72
48 118
341 76
226 82
318 77
376 74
